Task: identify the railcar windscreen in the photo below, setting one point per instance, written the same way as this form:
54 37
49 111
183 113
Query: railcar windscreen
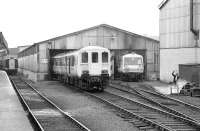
104 57
84 57
94 57
132 61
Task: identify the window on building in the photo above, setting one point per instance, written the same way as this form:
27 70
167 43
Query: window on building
94 57
105 57
84 57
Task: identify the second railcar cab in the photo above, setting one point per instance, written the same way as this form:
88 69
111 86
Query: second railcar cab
131 67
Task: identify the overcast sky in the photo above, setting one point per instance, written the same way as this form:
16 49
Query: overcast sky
24 22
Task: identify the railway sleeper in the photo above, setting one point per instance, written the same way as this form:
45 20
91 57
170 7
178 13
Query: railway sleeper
128 119
170 122
175 124
135 121
186 130
149 117
180 127
142 124
146 128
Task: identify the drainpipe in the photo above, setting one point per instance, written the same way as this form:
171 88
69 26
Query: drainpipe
195 32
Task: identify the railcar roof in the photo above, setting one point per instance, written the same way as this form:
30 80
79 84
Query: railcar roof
132 55
93 48
65 54
87 48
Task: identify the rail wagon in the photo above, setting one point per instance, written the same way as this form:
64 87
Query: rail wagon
10 65
131 67
87 68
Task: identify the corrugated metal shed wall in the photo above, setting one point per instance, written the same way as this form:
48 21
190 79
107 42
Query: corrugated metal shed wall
43 58
175 25
196 14
102 36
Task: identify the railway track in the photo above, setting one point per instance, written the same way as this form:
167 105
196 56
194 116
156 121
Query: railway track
182 107
132 94
45 113
172 105
148 117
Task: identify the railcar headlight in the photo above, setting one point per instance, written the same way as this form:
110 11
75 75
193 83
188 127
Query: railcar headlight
85 72
104 72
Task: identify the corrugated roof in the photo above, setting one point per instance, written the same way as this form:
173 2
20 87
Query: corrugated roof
128 32
101 25
162 4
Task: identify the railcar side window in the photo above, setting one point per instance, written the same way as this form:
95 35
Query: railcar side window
62 61
72 60
104 57
132 61
54 61
84 57
94 57
57 62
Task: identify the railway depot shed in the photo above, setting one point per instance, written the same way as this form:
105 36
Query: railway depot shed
179 36
35 61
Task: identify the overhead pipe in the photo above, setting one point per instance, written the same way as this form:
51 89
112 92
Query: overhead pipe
195 32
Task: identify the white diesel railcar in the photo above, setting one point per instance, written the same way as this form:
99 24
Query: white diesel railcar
88 68
10 65
131 67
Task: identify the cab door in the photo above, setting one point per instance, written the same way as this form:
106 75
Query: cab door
95 66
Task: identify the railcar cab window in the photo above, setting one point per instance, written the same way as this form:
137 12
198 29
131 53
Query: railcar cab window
105 57
66 61
84 57
132 61
139 61
94 57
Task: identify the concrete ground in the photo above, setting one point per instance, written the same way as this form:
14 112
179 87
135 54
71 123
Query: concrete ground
12 115
166 88
159 86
